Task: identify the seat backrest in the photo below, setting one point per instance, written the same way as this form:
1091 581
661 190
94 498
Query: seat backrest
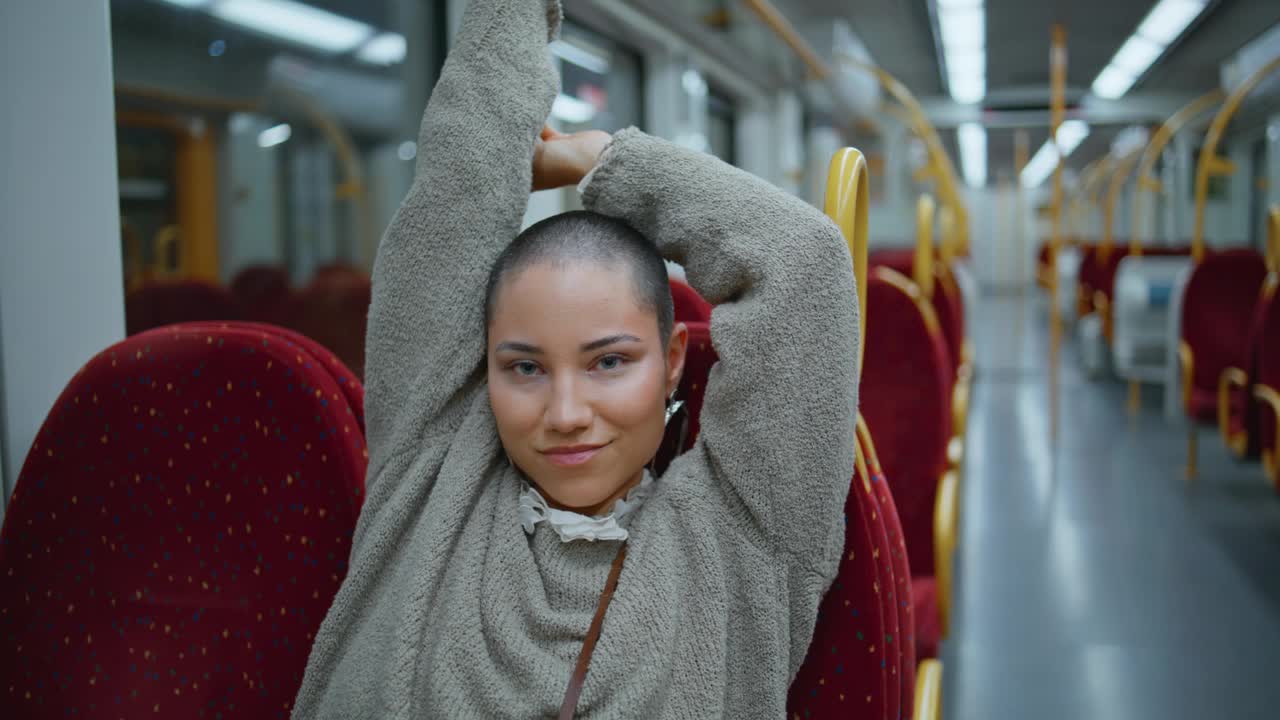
905 397
165 303
900 593
178 531
689 305
683 429
1217 309
262 290
1269 376
850 670
334 311
348 382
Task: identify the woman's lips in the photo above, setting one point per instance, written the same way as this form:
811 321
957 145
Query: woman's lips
572 455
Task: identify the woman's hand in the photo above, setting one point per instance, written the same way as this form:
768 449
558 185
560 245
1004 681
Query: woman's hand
561 160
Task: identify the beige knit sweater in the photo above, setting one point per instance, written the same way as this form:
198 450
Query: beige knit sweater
450 610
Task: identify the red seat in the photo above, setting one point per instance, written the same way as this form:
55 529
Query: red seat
334 311
165 303
901 594
688 304
948 304
263 291
851 668
178 531
1267 391
905 398
1217 308
1087 279
352 389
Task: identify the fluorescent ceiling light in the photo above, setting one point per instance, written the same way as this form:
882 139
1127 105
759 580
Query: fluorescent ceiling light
188 3
967 63
572 110
274 135
1137 54
967 89
949 4
1169 18
384 49
1113 82
972 139
1070 134
1040 165
581 57
295 22
962 28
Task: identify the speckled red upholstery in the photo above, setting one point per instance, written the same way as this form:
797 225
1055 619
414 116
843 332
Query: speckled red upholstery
924 600
850 669
948 304
1217 308
905 398
901 593
165 303
897 258
689 305
177 532
1242 418
347 381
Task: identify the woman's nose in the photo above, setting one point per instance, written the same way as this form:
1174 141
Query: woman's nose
568 411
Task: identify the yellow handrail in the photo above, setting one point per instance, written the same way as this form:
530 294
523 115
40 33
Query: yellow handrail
1161 138
846 205
1273 239
922 258
1211 163
1123 166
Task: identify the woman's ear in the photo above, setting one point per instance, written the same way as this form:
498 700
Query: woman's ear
677 350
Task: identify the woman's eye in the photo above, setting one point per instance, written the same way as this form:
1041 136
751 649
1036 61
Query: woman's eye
610 362
524 368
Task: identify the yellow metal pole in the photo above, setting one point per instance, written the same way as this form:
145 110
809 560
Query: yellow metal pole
1211 163
922 258
1058 78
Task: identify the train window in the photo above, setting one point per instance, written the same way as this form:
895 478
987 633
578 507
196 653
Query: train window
262 149
721 126
601 79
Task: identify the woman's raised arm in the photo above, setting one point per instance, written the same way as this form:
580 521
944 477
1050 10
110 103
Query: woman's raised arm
425 343
778 419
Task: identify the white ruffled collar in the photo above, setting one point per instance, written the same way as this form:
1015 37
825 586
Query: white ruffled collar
570 525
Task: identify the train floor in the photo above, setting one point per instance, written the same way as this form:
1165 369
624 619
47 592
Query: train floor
1094 581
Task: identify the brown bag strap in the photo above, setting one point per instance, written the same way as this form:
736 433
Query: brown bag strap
570 704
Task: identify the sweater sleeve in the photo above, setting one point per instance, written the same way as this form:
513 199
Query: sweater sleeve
425 342
780 406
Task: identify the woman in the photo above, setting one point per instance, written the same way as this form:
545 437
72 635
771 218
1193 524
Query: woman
503 430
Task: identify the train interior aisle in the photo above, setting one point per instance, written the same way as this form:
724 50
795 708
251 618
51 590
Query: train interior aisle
1094 579
1063 221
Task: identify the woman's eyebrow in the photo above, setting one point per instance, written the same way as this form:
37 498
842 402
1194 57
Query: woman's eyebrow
610 340
518 347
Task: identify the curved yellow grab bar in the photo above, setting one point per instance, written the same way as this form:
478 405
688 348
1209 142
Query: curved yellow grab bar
947 236
846 204
1123 166
928 703
946 523
922 258
1151 154
1273 239
1270 399
1211 163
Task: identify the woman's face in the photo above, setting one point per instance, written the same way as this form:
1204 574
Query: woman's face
578 380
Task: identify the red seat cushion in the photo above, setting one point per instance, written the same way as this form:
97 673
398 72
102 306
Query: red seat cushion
1269 375
688 304
906 400
263 291
847 670
924 598
1217 309
178 531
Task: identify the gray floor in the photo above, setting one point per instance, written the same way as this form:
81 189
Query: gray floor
1094 581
